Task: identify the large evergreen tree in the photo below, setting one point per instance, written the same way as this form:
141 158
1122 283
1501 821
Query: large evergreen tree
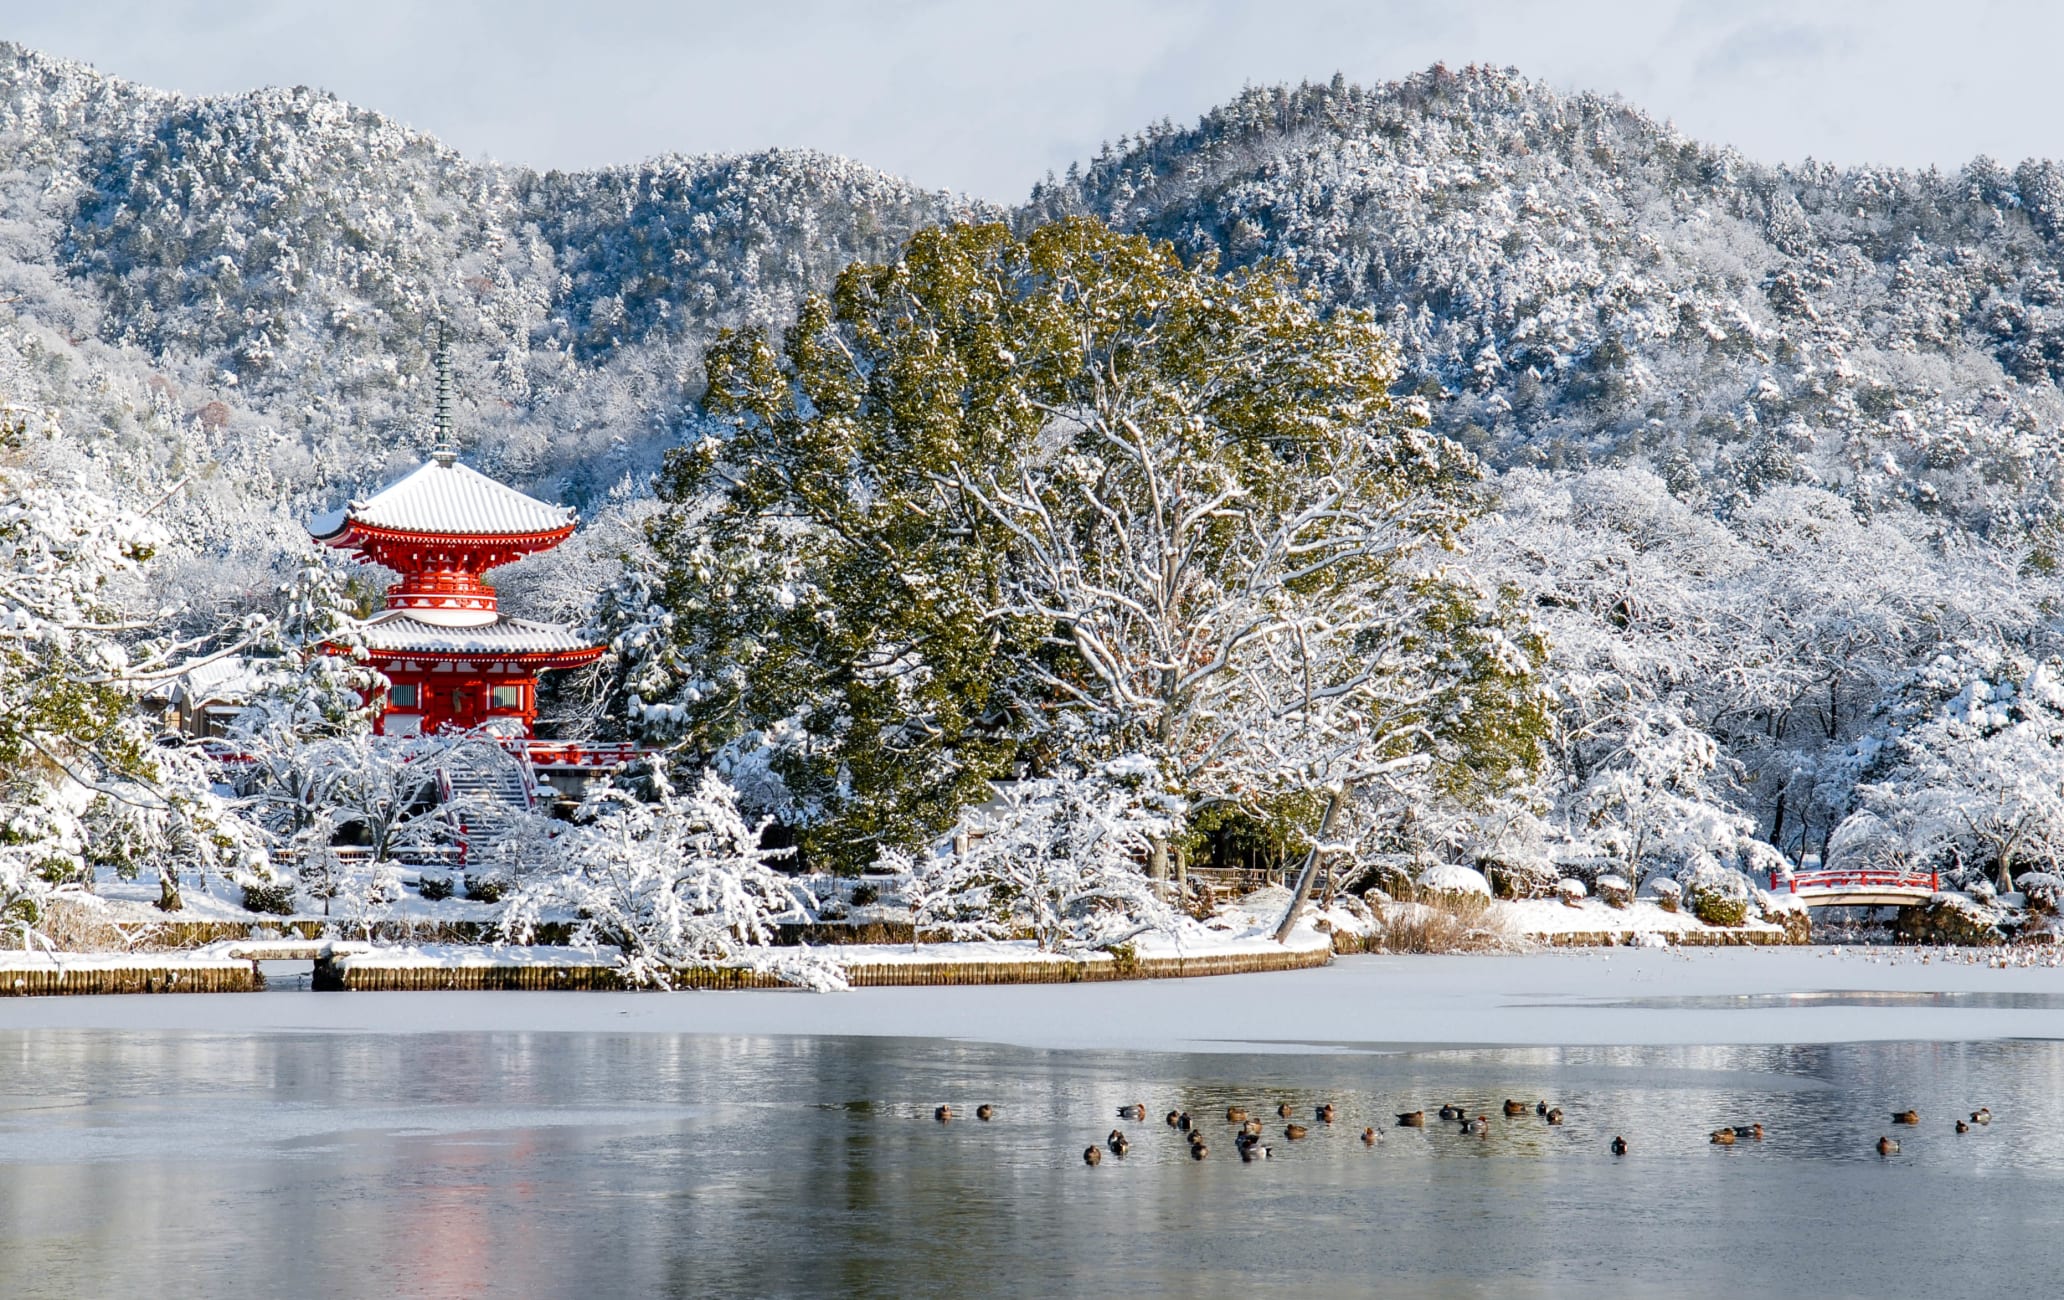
1066 500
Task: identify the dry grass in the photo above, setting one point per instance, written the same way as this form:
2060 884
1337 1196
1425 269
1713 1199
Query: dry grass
82 927
1449 924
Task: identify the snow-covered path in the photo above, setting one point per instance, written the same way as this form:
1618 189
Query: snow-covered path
1732 995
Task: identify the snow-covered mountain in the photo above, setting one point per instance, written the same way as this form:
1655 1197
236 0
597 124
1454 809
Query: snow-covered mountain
1571 279
247 280
1583 283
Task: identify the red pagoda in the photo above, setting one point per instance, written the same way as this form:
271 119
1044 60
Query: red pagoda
454 660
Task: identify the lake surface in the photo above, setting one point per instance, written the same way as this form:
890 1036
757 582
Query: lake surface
231 1164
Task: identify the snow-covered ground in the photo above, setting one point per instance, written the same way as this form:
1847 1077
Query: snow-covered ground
1550 916
134 902
1740 995
39 960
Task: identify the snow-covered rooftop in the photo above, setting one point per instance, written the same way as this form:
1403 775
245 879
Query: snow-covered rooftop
440 498
225 677
400 630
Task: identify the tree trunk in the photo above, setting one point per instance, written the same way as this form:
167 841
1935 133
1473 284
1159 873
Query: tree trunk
168 892
1311 865
1157 867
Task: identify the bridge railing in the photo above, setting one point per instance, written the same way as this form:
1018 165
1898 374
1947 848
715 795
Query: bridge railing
575 753
1860 879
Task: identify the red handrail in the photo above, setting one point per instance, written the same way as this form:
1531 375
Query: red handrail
1928 880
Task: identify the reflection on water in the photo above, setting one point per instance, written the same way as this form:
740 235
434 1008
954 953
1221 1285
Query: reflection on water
605 1165
1985 1001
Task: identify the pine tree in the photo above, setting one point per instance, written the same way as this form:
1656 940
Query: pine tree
1063 501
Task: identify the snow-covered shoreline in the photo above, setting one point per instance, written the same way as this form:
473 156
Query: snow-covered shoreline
1373 1003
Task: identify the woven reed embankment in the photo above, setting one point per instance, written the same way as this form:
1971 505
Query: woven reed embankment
85 974
379 973
1711 938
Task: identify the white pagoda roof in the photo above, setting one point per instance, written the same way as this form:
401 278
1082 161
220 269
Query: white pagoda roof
440 497
399 631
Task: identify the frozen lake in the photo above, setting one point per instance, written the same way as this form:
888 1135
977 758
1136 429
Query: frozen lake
508 1144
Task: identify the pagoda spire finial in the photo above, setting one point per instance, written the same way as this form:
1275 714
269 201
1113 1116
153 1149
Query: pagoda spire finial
444 451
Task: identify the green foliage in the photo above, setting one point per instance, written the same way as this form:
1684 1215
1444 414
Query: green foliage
908 555
1718 896
272 898
1490 714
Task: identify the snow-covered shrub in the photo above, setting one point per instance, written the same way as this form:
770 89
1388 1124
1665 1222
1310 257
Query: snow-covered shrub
1058 858
1666 892
1982 891
1717 895
1450 882
2044 890
673 882
1964 878
1788 913
434 888
1614 891
486 887
272 897
1954 920
1517 877
1570 891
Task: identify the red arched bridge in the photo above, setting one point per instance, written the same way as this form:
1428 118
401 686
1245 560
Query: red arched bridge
1857 888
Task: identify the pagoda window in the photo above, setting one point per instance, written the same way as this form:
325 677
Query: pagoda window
402 695
507 697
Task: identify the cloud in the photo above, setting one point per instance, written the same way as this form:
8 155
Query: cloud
1757 53
987 97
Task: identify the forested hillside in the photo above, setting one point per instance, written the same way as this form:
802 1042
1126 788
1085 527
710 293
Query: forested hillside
1773 451
246 282
1573 282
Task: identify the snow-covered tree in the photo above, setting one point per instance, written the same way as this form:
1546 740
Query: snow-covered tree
1975 779
1650 805
1060 858
81 784
672 881
1063 499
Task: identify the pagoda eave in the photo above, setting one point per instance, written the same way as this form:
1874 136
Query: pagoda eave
483 659
358 535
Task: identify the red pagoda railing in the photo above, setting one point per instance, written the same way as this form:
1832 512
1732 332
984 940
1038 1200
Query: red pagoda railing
581 753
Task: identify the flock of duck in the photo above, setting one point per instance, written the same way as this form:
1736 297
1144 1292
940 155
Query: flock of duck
1248 1129
1890 1146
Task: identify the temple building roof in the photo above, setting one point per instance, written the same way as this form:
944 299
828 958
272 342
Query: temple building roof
398 632
445 498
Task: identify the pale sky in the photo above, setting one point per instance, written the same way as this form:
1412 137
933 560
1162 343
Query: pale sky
986 98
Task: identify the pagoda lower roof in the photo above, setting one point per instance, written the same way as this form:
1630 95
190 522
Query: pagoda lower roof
396 632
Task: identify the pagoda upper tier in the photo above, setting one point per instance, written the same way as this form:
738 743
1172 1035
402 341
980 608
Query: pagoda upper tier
451 660
441 527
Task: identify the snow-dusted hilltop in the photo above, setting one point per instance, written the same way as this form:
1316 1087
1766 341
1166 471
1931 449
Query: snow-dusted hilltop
1579 281
1583 283
255 272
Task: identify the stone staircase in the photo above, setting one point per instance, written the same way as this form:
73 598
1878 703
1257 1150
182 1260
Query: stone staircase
483 800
